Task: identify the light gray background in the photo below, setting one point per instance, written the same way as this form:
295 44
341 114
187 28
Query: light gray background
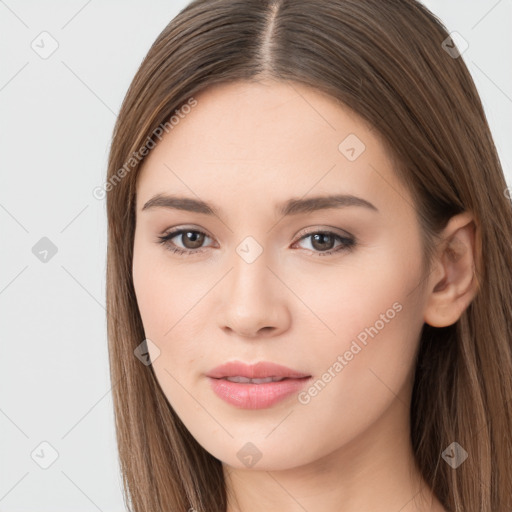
57 116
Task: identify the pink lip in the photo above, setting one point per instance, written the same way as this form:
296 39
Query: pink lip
259 370
255 396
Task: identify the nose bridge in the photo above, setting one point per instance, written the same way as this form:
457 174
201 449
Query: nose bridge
253 300
250 276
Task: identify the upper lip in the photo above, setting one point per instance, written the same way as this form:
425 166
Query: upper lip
258 370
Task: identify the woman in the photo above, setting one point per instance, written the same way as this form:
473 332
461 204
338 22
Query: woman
309 266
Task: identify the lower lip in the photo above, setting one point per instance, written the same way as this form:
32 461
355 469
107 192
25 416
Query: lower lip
256 396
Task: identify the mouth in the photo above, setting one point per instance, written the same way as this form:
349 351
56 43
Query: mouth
245 380
255 386
259 372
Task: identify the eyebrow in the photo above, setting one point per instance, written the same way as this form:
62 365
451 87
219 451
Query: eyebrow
290 207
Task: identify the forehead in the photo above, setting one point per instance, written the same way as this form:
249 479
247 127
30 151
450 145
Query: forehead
258 140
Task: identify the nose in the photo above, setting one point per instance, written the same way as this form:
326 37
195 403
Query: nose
253 303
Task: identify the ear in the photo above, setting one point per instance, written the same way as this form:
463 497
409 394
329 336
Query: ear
453 282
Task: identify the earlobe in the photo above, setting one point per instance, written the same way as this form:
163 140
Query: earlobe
454 285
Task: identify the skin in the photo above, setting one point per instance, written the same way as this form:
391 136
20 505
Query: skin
246 147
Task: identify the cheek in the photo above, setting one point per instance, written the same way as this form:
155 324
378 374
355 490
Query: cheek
375 289
158 293
149 291
169 299
375 314
163 306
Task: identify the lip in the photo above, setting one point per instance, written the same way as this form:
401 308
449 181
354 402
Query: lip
255 396
258 370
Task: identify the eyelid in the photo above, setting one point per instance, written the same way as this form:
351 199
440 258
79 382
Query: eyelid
324 228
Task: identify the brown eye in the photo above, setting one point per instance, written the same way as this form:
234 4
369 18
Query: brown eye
191 241
323 242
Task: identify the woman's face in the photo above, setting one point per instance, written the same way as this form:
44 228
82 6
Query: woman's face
327 288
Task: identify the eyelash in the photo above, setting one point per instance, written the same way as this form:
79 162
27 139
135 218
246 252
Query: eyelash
347 243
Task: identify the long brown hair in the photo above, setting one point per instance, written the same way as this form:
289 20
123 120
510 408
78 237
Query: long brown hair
393 63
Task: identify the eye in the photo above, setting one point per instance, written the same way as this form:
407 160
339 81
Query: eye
193 239
322 242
